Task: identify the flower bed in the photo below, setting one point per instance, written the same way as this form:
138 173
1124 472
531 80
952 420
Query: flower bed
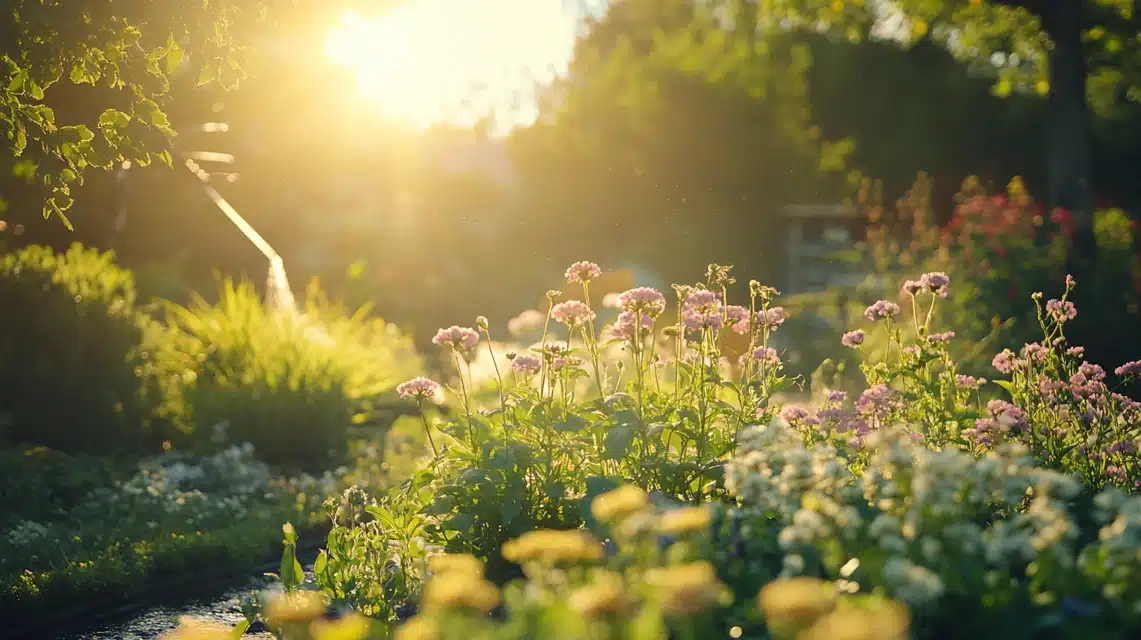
667 494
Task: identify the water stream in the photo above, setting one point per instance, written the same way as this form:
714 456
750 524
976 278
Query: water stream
217 602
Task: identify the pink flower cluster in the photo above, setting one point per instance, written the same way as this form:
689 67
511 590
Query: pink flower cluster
703 310
1061 310
625 327
526 364
644 299
881 309
458 338
583 272
417 389
853 339
573 313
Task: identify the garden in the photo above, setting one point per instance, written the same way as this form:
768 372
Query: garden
460 427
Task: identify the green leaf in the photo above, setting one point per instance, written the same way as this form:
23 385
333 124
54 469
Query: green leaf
35 91
1005 384
208 74
572 424
20 141
239 630
76 133
174 55
618 440
114 119
321 562
460 522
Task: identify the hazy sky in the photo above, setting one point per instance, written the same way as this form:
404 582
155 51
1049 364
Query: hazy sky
433 61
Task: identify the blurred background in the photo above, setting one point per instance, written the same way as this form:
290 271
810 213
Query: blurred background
444 160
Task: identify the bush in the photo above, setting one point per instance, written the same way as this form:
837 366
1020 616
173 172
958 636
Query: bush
76 354
289 384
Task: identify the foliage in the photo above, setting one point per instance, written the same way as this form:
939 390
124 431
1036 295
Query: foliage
71 329
173 516
999 248
42 483
1008 515
291 385
127 56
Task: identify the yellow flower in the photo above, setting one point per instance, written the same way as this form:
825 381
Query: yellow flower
418 628
350 627
619 503
890 621
685 520
460 591
688 588
189 629
455 563
792 605
605 595
297 606
553 547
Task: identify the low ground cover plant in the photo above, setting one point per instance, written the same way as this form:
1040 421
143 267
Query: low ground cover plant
174 515
1007 516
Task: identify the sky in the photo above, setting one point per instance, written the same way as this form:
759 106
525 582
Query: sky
450 61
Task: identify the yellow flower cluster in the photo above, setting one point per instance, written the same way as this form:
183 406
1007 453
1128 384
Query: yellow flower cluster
685 520
550 547
418 628
446 563
293 607
458 590
689 588
605 595
810 609
619 504
792 605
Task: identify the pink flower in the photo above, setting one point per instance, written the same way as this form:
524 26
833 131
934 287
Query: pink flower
853 339
881 309
458 338
417 389
941 337
912 287
1061 310
936 282
572 313
583 272
738 318
623 328
771 318
1132 368
526 364
1004 362
970 382
644 299
702 310
766 356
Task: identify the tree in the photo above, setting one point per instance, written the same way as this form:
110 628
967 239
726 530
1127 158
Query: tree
667 158
1053 46
86 80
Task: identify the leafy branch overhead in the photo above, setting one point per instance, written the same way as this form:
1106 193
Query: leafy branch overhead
123 57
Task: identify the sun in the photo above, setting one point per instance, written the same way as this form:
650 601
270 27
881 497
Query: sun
451 61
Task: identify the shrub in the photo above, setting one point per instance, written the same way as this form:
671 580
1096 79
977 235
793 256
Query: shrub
75 354
289 384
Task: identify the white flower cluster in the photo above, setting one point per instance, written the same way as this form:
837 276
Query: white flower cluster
923 523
